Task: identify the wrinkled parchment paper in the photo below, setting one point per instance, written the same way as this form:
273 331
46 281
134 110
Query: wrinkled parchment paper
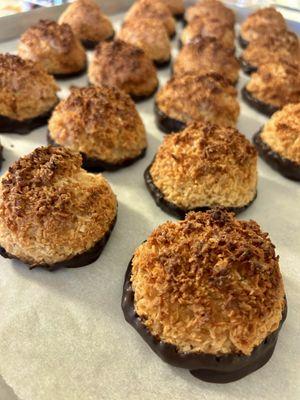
63 335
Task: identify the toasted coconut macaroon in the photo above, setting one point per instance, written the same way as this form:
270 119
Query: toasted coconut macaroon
27 95
260 23
207 295
273 86
150 35
55 47
269 49
204 55
190 97
52 212
121 64
202 167
103 124
211 9
88 22
175 6
278 142
153 9
209 27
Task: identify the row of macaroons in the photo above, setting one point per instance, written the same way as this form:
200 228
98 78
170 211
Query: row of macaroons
98 128
205 293
209 36
122 64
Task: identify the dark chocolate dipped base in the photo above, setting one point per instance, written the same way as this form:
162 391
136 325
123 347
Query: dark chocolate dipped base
246 67
162 64
8 125
258 105
135 98
92 164
171 208
179 16
242 42
207 367
91 44
80 260
140 98
71 75
288 168
167 124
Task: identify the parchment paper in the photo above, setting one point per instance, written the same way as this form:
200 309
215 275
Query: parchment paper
63 335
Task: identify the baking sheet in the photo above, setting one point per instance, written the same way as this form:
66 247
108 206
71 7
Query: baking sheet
63 335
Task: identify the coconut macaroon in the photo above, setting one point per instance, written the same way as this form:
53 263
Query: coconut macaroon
204 55
202 167
150 35
52 212
88 22
121 64
270 48
153 9
55 47
211 9
261 22
210 27
207 295
27 95
273 86
278 142
175 6
103 124
190 97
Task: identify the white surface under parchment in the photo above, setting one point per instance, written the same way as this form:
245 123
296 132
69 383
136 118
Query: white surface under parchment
63 335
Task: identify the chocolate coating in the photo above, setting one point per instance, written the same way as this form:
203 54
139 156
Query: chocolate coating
72 75
162 64
8 125
246 67
93 164
258 105
137 99
80 260
91 44
167 124
171 208
288 168
179 17
207 367
242 42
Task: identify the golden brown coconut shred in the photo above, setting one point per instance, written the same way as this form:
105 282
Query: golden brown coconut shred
87 21
101 122
60 36
120 64
210 283
54 46
276 83
282 132
261 22
206 165
26 90
152 9
208 97
207 54
211 8
51 209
